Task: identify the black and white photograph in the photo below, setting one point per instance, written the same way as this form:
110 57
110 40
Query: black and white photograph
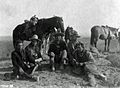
59 43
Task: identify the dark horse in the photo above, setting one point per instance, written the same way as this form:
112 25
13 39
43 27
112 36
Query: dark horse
104 33
43 28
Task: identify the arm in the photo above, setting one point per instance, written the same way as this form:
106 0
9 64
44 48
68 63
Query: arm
75 53
29 55
90 57
17 61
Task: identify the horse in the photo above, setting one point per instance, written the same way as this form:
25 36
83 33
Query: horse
43 28
104 33
23 32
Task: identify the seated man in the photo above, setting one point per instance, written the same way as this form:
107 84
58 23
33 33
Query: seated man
57 51
71 46
86 61
33 52
19 60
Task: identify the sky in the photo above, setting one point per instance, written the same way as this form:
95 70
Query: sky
82 15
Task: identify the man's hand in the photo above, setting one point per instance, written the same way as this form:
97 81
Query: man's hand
81 64
77 63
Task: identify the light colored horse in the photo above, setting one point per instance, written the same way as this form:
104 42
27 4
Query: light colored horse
104 33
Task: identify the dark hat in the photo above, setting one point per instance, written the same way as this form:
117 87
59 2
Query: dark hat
58 34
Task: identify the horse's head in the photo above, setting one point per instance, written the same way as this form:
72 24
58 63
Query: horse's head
114 32
58 23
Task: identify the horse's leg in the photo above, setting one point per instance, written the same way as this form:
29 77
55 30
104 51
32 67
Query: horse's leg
92 40
47 45
118 46
105 45
118 42
42 46
108 45
95 42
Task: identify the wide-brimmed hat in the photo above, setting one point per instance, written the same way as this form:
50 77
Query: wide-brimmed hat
34 37
58 34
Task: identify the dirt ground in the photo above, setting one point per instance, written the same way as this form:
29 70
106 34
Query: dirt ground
65 78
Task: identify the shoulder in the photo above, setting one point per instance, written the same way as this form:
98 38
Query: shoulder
28 47
13 53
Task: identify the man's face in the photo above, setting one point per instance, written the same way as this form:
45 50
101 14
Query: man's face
73 38
58 38
34 42
80 48
19 46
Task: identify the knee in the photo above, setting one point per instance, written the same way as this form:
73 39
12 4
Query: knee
52 55
64 54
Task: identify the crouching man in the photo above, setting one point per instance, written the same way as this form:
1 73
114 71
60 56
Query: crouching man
33 54
86 61
57 52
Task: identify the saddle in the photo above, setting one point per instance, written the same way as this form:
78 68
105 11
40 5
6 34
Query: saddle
104 34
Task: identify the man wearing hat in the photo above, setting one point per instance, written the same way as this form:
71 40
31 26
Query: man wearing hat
57 52
19 61
33 52
71 46
84 59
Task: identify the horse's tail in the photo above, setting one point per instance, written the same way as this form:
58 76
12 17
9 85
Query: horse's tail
14 38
